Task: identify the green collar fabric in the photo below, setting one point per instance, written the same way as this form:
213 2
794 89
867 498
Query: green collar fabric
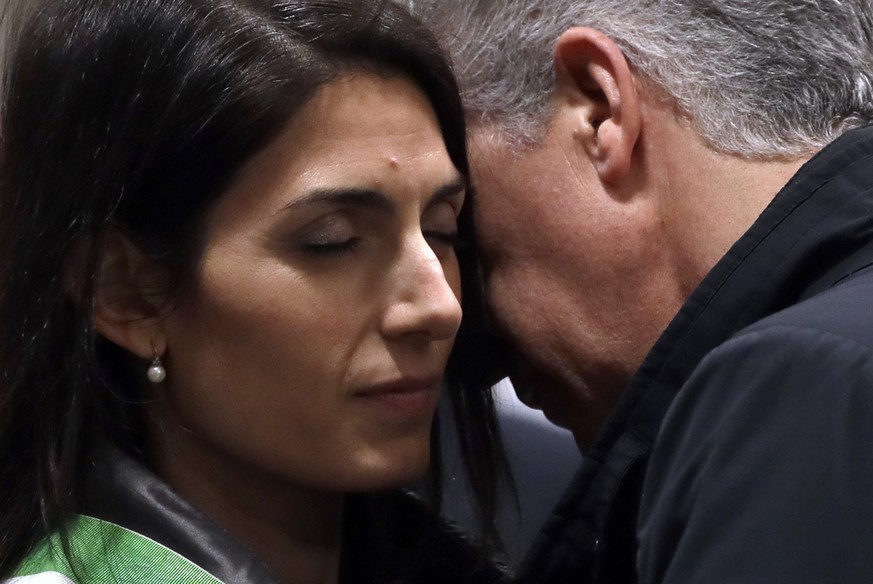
101 552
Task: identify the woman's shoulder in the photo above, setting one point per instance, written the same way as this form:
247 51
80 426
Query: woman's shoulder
96 551
396 537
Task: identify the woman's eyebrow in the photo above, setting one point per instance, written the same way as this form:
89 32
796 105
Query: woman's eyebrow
368 198
456 187
354 197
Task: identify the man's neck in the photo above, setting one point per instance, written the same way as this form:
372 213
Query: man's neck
711 199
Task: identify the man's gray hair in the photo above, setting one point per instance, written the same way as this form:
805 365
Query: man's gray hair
758 78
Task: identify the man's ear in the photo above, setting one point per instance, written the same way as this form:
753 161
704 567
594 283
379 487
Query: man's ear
593 75
130 296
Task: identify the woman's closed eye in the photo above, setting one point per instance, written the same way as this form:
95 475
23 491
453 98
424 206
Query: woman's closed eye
436 237
440 227
334 235
332 247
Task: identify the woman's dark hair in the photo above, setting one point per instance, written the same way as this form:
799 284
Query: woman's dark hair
136 115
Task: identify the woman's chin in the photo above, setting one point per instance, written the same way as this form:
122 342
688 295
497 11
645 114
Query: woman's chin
382 471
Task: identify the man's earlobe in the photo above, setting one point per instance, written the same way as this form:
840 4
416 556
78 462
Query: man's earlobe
129 296
593 75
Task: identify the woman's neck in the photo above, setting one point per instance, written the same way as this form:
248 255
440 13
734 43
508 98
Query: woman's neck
296 532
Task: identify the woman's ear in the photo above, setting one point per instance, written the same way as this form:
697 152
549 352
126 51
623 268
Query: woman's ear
130 294
594 77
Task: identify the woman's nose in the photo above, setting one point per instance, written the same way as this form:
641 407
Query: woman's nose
423 301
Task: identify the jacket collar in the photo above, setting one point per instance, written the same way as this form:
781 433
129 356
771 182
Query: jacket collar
388 537
816 231
120 490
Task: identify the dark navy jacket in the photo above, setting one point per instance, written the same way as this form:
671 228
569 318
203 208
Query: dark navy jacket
763 470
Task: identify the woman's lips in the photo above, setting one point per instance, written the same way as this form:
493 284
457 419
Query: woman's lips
404 398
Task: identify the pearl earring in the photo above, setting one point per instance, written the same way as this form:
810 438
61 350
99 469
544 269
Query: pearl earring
156 372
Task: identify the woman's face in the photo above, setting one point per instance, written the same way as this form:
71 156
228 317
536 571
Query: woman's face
314 346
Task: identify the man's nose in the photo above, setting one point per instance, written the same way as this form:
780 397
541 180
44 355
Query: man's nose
422 302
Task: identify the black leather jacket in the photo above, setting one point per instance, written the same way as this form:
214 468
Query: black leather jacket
390 538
